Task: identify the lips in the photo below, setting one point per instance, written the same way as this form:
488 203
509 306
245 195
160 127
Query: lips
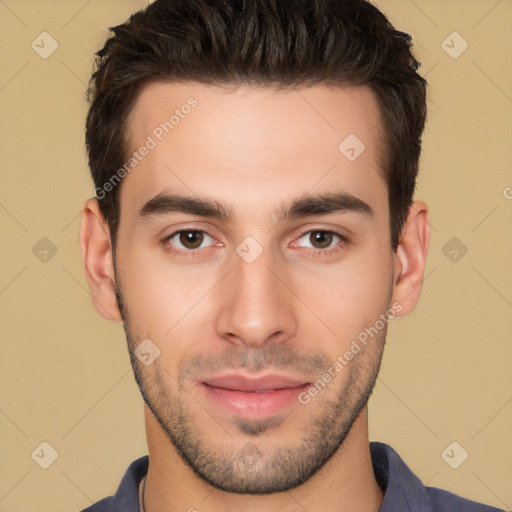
253 398
261 384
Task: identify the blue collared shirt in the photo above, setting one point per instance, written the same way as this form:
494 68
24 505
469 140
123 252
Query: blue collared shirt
404 491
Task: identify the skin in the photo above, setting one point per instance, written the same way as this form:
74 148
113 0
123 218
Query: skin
292 310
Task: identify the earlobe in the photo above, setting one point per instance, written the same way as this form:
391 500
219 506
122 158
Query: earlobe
97 259
410 258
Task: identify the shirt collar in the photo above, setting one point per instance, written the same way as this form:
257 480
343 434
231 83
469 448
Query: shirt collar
403 490
141 493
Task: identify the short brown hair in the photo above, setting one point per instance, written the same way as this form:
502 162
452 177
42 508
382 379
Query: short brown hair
259 42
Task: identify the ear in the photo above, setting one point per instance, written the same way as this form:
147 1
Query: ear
98 260
410 258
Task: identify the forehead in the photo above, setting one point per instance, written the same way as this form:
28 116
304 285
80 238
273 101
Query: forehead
225 142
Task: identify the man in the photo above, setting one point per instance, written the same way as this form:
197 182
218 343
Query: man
254 229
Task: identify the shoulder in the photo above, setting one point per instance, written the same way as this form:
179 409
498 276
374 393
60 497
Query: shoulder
105 505
442 501
404 491
126 499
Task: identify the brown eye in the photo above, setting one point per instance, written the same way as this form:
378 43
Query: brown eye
321 239
187 240
191 239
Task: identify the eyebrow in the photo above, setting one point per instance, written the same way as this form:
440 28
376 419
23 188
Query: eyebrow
317 204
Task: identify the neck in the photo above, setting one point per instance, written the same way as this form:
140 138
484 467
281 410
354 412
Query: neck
345 482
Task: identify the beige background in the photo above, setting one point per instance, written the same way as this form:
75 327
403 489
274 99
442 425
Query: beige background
65 377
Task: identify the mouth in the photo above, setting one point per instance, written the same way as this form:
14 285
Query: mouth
253 398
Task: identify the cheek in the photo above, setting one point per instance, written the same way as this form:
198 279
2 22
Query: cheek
162 299
350 296
146 289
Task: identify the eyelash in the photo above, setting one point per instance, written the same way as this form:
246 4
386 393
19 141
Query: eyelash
311 251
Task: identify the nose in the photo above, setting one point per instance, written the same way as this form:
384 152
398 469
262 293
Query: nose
256 307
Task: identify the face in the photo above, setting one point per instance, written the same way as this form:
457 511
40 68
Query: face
253 253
